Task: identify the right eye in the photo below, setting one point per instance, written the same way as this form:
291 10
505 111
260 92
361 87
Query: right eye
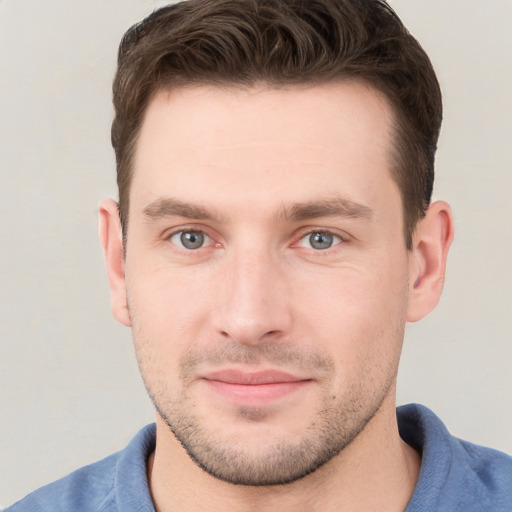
319 240
190 239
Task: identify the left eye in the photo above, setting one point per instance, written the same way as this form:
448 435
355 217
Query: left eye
190 240
319 240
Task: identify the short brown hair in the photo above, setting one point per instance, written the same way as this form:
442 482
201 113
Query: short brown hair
283 42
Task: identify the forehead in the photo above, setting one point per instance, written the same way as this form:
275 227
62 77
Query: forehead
264 144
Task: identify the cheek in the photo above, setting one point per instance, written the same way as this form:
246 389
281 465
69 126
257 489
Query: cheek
357 314
363 335
169 311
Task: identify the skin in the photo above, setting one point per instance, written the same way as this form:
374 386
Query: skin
251 175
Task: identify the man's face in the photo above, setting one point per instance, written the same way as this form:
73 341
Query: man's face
266 273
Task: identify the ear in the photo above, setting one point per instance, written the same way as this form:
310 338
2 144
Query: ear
111 238
427 264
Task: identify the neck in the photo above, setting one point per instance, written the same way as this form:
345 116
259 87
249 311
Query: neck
377 471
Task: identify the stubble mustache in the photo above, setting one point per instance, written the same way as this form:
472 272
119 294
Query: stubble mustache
266 354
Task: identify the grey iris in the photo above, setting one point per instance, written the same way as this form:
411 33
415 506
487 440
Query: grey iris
192 239
320 240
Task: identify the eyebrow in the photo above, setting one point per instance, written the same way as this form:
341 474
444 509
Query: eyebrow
336 207
169 207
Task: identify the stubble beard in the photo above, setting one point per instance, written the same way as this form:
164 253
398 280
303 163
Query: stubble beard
338 422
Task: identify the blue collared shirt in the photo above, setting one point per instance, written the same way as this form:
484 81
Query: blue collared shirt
455 476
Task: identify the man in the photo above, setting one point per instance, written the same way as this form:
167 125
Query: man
274 234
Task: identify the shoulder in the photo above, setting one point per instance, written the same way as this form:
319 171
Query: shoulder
100 487
455 475
487 472
88 488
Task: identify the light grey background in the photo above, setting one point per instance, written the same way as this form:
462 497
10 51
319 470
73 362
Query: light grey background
69 387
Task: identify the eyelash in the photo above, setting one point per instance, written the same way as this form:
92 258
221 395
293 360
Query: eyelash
194 231
209 241
336 239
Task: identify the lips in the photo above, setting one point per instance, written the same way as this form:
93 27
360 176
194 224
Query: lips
252 378
252 389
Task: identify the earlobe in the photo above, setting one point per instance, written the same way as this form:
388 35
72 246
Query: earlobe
111 239
431 243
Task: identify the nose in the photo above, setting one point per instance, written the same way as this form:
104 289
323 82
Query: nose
252 302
